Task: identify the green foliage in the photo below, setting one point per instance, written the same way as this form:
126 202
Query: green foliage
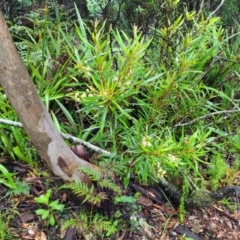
21 188
217 170
158 154
97 225
14 143
158 96
43 50
231 205
131 205
148 100
5 230
134 211
50 207
170 84
230 11
185 238
138 223
105 91
6 178
83 190
15 186
93 174
95 7
105 226
163 103
109 184
185 193
126 199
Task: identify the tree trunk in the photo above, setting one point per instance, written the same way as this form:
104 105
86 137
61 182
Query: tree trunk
36 121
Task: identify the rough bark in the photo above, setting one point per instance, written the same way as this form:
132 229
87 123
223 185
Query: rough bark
32 113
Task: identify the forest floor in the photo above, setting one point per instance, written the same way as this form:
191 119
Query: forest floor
213 222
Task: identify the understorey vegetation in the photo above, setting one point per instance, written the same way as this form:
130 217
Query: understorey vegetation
154 105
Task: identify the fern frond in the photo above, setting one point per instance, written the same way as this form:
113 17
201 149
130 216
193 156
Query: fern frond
96 224
70 222
100 225
82 189
92 173
78 188
21 188
95 7
107 183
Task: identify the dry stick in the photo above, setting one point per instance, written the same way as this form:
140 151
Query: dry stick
64 135
79 114
205 116
87 144
211 14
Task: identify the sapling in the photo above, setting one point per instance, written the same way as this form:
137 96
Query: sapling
50 207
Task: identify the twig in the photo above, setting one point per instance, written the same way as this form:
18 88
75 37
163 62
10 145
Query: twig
87 144
9 122
211 14
224 213
205 116
64 135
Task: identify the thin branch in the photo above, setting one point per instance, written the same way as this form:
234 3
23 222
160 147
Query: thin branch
9 122
64 135
205 116
86 144
211 14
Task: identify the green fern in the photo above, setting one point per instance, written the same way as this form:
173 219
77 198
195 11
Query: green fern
96 225
107 183
92 173
101 225
21 188
103 182
217 170
81 189
95 7
72 222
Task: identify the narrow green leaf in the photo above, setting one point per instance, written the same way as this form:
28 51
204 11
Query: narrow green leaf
10 182
20 155
68 115
55 121
51 220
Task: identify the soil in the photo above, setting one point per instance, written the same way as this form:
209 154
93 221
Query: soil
160 219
